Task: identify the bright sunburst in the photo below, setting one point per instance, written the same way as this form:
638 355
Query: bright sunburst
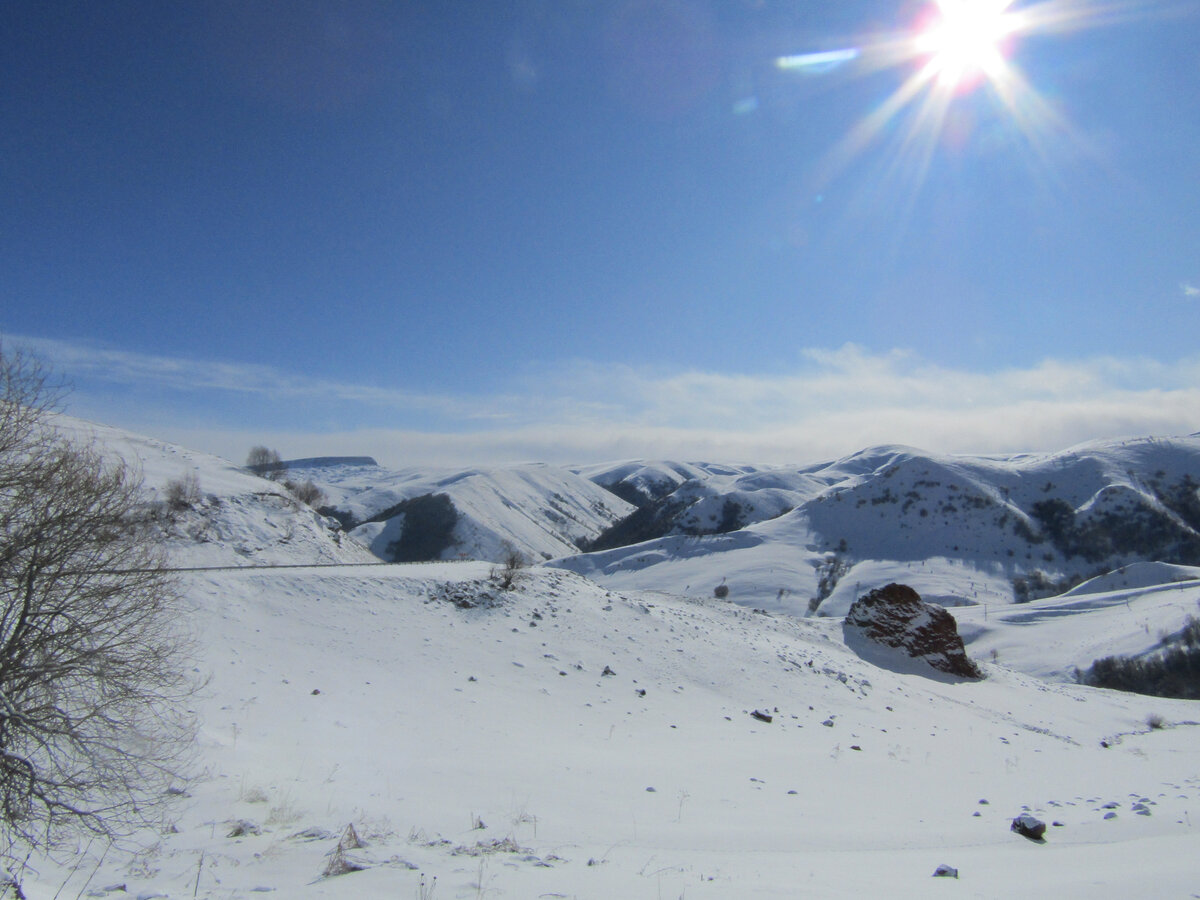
965 41
955 47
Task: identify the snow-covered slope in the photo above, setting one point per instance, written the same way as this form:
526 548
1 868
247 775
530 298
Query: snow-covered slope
958 529
1130 613
542 511
239 518
486 747
563 739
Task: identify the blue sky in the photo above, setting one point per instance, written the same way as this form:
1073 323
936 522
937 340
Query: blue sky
571 230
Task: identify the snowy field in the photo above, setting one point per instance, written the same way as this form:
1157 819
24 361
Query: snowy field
367 697
566 739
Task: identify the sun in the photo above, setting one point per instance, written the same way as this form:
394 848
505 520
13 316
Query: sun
966 41
953 48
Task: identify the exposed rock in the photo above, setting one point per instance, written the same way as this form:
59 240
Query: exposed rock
1029 826
896 616
945 871
762 715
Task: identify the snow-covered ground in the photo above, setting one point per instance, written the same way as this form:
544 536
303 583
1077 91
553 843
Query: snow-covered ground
366 696
574 739
1051 638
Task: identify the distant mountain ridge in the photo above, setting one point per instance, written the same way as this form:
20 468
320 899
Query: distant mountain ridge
313 462
965 529
960 529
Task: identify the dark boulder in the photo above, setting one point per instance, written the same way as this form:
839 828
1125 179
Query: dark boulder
895 616
1029 826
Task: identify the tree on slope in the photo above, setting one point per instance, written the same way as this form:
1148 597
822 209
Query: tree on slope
93 701
266 462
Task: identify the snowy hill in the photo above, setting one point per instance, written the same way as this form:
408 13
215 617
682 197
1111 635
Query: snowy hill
238 518
541 511
565 739
958 529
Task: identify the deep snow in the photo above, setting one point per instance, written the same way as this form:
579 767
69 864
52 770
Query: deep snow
379 696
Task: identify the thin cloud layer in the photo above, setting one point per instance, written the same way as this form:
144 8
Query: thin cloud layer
834 402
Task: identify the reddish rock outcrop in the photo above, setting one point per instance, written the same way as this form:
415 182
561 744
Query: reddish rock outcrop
896 616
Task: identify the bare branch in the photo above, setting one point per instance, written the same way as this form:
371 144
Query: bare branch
94 724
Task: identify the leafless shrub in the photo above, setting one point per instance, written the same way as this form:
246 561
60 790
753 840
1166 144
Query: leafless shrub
512 561
94 726
183 492
307 492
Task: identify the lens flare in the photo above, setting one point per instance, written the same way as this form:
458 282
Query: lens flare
966 40
956 48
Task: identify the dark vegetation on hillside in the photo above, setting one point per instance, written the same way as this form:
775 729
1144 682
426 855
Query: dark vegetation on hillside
648 494
344 517
660 518
428 530
1036 584
1171 672
646 523
1167 535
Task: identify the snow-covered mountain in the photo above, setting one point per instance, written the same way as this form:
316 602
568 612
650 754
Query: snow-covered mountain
566 739
412 514
958 529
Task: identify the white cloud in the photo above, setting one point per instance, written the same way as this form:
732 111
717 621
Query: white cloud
1189 290
85 361
834 402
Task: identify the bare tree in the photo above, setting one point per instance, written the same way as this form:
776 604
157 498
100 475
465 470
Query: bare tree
512 561
266 462
94 726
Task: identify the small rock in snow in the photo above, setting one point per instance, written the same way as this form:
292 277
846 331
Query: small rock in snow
945 871
1029 826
